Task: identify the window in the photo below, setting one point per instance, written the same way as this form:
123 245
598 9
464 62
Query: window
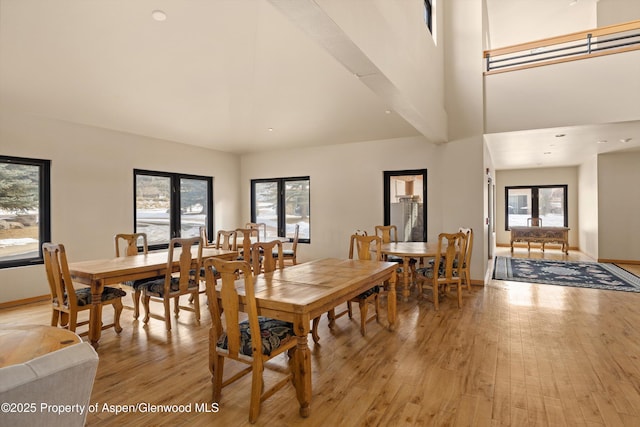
548 202
25 207
428 15
281 203
171 205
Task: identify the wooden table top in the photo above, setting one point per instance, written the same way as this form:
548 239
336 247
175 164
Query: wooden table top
312 286
21 343
411 249
134 266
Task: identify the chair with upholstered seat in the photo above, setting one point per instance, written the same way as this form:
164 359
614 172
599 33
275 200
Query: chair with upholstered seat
466 259
363 248
185 281
128 244
290 254
248 236
253 341
446 270
67 300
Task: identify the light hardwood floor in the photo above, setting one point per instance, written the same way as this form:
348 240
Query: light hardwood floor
516 354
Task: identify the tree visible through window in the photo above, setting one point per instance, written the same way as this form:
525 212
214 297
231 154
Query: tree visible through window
281 203
171 205
24 210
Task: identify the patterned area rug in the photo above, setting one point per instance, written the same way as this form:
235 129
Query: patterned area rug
566 273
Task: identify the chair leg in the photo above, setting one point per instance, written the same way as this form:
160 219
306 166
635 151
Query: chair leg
73 320
217 369
459 291
55 317
145 304
377 305
350 309
467 279
314 330
176 306
167 312
196 305
136 303
117 310
436 290
256 392
64 318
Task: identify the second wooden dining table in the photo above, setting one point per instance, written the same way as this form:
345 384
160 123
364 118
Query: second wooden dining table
102 272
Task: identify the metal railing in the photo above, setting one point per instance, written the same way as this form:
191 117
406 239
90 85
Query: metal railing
582 45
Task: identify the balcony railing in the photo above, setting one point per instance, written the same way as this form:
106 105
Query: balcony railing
572 47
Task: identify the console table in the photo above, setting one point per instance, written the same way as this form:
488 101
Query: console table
541 235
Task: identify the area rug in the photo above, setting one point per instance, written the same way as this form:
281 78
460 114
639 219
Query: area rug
594 275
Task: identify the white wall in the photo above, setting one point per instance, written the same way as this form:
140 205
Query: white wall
540 176
587 201
619 206
92 186
346 186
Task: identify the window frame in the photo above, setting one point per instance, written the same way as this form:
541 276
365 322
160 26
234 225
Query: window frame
428 14
282 215
174 210
535 206
44 208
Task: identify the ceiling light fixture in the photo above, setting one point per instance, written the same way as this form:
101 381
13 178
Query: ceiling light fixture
560 135
547 152
387 111
159 15
270 129
602 141
625 140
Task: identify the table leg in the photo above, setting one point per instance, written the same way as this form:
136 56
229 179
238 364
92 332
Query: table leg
302 374
391 301
95 318
405 278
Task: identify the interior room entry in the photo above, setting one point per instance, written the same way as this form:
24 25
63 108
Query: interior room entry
405 195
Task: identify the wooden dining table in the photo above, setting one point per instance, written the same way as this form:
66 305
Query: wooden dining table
302 292
408 250
21 343
102 272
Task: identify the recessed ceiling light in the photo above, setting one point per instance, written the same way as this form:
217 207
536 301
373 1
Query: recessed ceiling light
270 129
560 135
159 15
387 111
623 140
602 141
547 152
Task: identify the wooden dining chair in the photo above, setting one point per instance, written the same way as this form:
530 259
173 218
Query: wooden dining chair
128 244
244 245
258 226
185 281
389 234
446 270
253 341
227 240
267 256
534 222
67 300
361 247
466 258
290 254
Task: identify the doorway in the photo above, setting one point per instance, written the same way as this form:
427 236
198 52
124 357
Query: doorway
405 195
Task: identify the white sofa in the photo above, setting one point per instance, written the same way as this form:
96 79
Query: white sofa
50 390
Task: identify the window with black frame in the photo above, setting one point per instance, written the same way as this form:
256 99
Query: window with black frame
428 14
25 210
547 202
169 205
281 204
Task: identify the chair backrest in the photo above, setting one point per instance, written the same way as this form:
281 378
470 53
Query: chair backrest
534 222
366 247
468 232
228 302
204 236
188 265
388 233
258 226
263 251
58 276
247 234
296 234
447 266
226 239
131 243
